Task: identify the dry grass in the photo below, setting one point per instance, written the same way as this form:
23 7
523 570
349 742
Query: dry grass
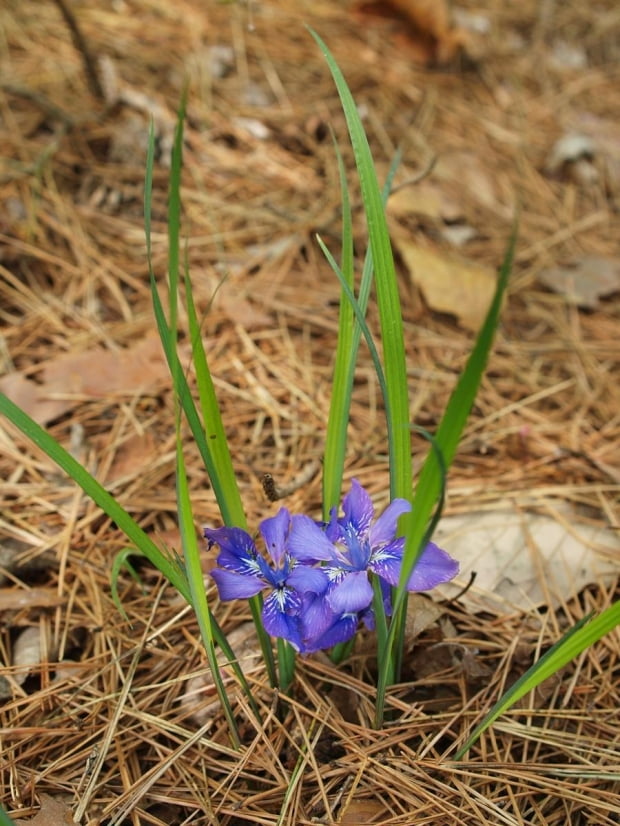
122 733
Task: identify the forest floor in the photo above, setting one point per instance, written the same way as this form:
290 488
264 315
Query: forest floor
510 107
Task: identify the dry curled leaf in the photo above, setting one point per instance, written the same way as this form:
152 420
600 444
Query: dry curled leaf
449 284
570 148
585 281
26 652
427 200
522 560
422 612
362 811
427 28
53 812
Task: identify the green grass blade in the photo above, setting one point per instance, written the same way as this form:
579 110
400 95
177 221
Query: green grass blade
346 355
5 820
576 640
432 476
212 445
163 562
361 321
388 300
191 554
220 459
174 229
122 560
390 315
286 664
348 344
148 195
453 422
229 514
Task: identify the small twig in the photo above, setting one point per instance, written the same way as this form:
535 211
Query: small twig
416 179
464 589
79 41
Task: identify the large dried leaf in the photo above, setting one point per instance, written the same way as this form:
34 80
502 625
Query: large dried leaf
33 398
427 200
427 28
469 178
585 281
449 284
53 812
522 560
139 367
96 373
365 810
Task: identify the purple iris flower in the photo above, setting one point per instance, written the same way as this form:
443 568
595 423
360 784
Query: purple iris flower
243 572
352 546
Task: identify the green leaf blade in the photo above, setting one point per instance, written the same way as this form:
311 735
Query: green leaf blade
577 639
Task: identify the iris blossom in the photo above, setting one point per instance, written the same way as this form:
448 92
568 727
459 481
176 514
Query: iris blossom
243 572
351 547
318 576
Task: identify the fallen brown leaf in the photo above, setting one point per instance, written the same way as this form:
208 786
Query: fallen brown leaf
522 560
53 812
449 284
100 373
422 612
427 199
96 373
132 455
362 811
585 281
430 34
33 399
468 177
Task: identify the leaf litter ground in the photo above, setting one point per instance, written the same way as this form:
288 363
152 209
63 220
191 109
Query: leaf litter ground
113 721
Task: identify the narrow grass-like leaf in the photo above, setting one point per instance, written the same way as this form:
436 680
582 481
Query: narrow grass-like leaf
217 444
286 664
361 321
209 433
576 640
390 316
174 234
122 560
388 299
432 476
213 449
5 820
220 487
346 354
219 460
163 562
191 554
349 332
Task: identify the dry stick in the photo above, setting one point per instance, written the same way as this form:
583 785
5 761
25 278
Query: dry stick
79 41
